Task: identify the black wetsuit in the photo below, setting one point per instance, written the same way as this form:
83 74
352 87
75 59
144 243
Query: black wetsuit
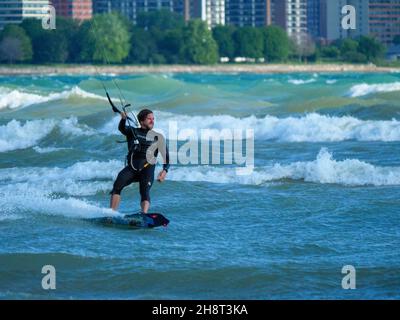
138 169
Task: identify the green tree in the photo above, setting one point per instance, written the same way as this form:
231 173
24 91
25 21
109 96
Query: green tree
143 46
276 44
171 45
163 38
69 29
59 45
330 52
15 44
249 42
157 58
106 38
10 50
346 46
33 27
51 47
371 48
355 57
223 37
199 45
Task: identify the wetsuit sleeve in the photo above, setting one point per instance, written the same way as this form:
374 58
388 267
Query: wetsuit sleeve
123 129
166 160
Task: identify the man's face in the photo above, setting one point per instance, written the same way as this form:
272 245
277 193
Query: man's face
148 123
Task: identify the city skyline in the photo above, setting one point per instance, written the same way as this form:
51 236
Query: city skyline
319 19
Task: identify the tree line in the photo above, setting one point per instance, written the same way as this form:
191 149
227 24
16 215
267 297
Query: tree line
162 37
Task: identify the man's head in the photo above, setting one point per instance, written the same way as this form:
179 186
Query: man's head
146 119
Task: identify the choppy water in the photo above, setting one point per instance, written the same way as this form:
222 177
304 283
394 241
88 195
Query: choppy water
324 192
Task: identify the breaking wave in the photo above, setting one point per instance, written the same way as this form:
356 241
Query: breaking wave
13 99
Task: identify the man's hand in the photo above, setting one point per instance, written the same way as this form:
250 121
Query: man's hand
161 176
123 115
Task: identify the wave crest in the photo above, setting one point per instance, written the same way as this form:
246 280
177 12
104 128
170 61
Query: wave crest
312 127
364 89
16 135
13 99
348 172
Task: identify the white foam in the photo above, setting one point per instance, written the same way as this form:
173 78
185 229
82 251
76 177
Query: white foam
332 81
81 179
34 189
13 99
69 207
364 89
43 150
90 177
300 82
312 127
111 127
78 92
80 171
349 172
111 75
40 189
70 126
16 135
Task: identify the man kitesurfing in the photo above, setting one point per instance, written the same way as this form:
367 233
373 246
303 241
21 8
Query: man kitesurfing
143 147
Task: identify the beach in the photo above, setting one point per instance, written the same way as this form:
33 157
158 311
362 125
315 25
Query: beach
220 68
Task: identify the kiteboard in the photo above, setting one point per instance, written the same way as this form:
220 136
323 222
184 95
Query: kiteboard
135 220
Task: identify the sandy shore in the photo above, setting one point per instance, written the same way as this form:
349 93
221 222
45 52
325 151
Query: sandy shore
131 69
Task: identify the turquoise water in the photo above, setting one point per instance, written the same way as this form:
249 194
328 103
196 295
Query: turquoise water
324 192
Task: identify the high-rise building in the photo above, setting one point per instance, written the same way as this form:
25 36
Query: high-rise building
75 9
332 16
14 11
384 19
213 12
272 16
195 9
255 13
314 18
291 15
131 8
210 11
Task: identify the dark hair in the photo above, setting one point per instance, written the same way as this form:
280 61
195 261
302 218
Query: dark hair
142 115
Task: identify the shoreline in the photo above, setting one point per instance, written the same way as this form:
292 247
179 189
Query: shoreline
228 69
